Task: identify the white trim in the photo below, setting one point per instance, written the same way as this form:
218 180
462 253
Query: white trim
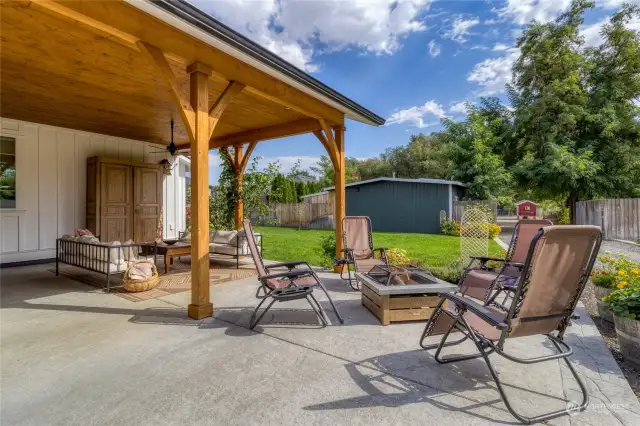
201 35
450 201
421 180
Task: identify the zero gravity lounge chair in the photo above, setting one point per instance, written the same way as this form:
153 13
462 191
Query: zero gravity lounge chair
285 286
358 247
555 273
484 283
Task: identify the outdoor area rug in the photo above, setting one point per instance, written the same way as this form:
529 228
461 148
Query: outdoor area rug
176 281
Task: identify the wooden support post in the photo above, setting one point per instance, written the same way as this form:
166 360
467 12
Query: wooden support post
200 306
240 160
239 174
340 199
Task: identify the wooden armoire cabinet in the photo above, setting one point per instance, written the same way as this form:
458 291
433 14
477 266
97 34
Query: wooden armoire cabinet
124 200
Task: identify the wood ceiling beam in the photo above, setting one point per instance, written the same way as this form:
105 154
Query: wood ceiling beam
184 107
135 24
225 99
98 27
306 125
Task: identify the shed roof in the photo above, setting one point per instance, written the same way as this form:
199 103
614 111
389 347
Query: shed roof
421 180
525 201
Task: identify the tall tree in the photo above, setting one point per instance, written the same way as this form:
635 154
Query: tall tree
551 100
470 149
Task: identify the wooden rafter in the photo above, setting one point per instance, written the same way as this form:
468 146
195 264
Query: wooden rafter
98 27
327 147
225 99
245 159
186 111
298 127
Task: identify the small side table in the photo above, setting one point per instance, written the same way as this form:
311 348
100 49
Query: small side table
171 251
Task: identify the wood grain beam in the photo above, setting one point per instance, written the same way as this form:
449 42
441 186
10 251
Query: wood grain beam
96 26
247 154
331 152
225 99
298 127
184 107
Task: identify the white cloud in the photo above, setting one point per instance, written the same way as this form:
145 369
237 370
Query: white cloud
614 4
296 29
417 115
523 11
492 74
434 49
460 28
458 108
499 47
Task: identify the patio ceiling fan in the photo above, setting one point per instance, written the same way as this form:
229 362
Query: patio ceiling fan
171 148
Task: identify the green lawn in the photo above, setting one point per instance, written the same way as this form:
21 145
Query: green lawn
287 244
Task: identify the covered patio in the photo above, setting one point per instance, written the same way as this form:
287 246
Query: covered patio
127 68
73 355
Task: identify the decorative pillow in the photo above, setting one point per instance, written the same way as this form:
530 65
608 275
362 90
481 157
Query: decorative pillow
140 271
82 232
129 252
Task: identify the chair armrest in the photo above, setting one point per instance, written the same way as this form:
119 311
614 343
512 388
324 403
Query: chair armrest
476 308
516 264
288 274
289 265
381 249
487 258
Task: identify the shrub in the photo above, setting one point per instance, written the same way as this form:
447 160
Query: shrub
397 256
562 217
450 227
625 301
494 230
615 269
450 272
328 249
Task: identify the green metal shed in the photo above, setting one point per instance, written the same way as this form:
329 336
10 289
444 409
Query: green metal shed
403 205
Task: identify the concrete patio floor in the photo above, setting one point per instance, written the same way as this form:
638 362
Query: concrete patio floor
74 355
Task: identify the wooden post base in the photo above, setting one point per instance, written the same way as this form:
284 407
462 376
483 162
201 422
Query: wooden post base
200 311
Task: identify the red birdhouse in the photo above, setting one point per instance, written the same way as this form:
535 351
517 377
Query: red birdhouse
526 208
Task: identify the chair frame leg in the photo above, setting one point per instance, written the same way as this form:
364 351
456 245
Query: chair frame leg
425 333
486 347
252 321
320 313
333 306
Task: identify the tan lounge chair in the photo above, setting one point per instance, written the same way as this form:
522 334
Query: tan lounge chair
287 285
357 236
484 283
554 275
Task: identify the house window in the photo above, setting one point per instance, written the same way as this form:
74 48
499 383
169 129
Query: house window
7 172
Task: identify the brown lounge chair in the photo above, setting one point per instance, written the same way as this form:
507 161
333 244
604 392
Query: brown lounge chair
285 286
484 283
555 273
357 236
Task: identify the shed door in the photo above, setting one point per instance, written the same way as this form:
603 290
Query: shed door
116 202
147 203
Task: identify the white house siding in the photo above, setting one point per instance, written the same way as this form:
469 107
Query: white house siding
51 189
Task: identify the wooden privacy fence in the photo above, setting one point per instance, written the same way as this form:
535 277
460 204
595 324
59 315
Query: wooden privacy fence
619 218
303 215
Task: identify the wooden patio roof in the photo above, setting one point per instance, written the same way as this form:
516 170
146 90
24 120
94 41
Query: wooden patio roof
79 65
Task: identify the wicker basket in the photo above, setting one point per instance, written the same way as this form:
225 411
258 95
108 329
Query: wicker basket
140 285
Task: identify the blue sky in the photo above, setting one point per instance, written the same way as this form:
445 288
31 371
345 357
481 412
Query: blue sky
412 62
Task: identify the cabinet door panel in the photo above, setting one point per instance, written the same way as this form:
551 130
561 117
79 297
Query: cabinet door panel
147 204
116 203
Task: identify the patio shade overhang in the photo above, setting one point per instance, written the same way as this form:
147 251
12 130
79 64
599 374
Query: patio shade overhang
126 68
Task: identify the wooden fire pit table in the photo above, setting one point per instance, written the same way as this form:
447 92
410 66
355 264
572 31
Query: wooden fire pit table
411 295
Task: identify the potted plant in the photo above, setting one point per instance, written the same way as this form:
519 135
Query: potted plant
625 304
605 279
